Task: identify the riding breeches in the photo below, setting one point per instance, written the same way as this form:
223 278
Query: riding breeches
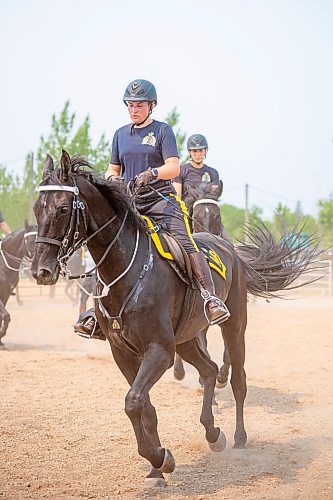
170 212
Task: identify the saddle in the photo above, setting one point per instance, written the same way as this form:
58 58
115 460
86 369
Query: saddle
172 250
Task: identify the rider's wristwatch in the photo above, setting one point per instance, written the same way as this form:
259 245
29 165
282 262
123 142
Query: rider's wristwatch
154 171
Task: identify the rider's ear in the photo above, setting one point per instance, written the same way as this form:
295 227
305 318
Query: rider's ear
48 166
66 166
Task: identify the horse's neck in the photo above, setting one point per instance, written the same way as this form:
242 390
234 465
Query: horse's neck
118 257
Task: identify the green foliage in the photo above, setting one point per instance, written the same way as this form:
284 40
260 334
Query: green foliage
233 221
326 220
173 119
63 136
14 199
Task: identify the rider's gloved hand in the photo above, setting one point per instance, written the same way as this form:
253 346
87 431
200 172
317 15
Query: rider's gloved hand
143 179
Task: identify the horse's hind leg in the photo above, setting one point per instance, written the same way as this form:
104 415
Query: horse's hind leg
236 348
223 374
191 352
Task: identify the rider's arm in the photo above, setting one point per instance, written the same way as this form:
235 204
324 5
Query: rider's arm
170 169
112 170
4 227
178 187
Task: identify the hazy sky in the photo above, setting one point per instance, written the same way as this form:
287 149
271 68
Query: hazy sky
254 76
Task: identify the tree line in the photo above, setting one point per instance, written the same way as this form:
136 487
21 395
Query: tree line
15 191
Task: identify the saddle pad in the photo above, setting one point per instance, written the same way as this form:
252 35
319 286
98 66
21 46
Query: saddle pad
214 260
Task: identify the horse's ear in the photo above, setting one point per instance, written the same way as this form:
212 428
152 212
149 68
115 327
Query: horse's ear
48 166
26 225
65 166
220 189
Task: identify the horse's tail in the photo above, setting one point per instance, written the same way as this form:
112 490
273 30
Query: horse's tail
272 266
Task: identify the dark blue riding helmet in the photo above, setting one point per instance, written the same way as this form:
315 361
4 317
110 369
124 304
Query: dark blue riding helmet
197 141
140 90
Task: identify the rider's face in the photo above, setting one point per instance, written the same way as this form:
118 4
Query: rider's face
138 111
198 155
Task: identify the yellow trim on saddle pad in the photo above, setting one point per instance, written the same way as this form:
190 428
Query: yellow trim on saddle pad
212 257
156 240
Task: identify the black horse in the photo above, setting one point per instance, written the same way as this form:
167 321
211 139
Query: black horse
13 249
204 208
143 301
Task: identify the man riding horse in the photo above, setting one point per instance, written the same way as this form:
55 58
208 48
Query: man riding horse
145 154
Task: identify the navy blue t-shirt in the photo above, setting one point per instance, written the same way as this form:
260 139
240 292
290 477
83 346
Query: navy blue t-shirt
191 176
146 147
1 217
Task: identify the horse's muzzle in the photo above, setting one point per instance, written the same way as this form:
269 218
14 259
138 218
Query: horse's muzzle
46 276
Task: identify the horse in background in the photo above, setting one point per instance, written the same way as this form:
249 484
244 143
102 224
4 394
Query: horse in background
13 249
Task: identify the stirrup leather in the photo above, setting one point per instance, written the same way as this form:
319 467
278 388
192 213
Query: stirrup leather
208 297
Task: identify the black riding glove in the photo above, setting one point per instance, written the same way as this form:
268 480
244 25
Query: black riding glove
143 179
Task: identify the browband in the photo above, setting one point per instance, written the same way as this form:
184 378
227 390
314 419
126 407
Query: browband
206 200
57 187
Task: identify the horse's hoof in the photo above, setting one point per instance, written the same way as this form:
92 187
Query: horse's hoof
179 374
169 463
154 482
221 385
219 444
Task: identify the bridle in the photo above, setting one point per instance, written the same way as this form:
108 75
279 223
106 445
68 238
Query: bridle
206 201
17 260
72 233
71 242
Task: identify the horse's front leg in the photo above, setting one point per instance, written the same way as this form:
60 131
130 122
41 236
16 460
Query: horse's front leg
4 321
141 412
191 352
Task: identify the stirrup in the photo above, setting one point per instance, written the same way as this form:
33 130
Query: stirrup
208 297
81 329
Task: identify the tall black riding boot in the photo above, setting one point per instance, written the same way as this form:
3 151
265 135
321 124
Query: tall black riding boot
215 309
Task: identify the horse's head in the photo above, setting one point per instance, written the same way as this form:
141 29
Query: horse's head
73 207
203 206
60 217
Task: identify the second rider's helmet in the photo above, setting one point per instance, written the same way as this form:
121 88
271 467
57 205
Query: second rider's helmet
197 141
140 90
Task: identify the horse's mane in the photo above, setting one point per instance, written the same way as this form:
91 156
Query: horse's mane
115 192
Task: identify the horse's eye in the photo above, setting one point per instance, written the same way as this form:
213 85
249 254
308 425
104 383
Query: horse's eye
64 210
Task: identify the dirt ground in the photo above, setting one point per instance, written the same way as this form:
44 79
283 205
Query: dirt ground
64 433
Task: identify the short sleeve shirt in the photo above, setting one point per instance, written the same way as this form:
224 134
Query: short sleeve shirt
137 149
1 217
191 176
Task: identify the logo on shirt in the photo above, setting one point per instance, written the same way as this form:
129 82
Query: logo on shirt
206 177
149 139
